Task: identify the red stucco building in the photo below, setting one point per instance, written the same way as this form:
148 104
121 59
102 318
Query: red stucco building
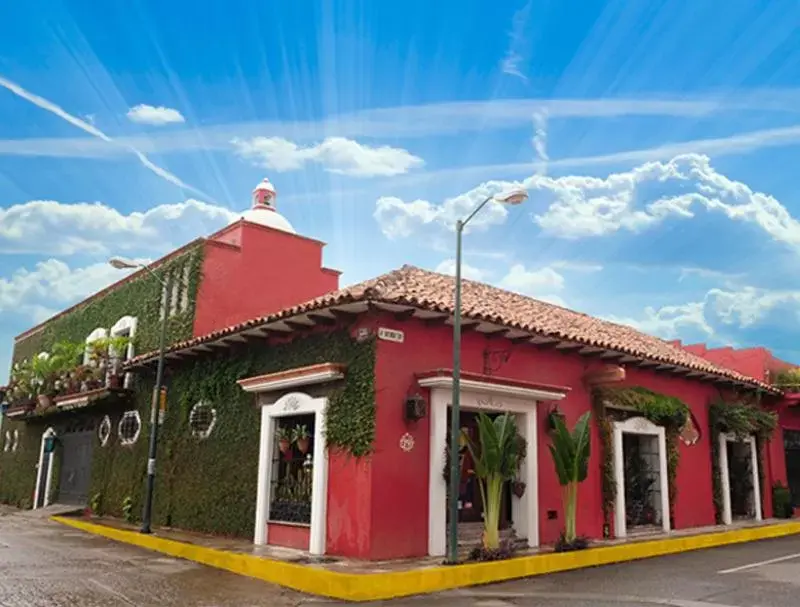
380 375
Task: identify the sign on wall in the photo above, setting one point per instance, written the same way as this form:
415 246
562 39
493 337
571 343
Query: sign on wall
391 335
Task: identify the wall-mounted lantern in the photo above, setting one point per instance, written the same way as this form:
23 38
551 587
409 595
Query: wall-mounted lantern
415 408
49 444
554 414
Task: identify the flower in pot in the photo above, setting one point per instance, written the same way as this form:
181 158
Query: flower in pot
301 437
284 435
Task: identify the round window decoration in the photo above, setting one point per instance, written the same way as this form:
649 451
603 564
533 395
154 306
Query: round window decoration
104 431
130 426
15 444
7 443
202 418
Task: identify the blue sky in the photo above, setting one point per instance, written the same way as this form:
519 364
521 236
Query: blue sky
658 141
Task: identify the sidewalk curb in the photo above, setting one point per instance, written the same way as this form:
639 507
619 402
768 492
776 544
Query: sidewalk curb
377 586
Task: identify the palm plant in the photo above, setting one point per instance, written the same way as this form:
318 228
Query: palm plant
570 453
496 455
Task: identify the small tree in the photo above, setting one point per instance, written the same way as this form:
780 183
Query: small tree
497 456
570 453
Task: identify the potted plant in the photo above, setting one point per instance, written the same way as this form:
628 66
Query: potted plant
116 349
284 435
301 438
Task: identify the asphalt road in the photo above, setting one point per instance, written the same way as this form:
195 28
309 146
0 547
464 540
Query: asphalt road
45 564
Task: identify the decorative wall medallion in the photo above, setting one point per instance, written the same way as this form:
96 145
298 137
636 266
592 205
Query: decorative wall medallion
689 433
292 404
407 442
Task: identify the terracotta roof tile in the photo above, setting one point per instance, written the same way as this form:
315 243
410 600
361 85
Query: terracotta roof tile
432 291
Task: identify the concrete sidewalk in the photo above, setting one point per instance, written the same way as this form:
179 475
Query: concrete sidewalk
354 581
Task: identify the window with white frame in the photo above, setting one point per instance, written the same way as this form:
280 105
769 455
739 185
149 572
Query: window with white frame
187 269
96 335
130 426
202 418
175 285
104 431
124 327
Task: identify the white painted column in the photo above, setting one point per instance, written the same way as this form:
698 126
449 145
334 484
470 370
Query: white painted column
264 473
620 524
756 484
40 467
724 473
437 488
49 481
663 474
531 502
319 487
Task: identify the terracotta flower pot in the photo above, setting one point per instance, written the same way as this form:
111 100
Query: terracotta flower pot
44 400
284 445
303 444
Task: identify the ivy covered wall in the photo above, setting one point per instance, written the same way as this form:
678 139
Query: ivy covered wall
140 298
209 484
18 468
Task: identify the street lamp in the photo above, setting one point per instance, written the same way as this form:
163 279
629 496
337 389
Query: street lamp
120 263
513 197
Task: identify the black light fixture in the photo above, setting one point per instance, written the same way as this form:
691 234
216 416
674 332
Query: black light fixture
555 412
415 408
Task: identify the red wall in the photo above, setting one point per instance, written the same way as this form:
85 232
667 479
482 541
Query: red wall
399 490
267 270
288 536
349 518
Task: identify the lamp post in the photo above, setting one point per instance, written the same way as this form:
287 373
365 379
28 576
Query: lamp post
121 263
514 197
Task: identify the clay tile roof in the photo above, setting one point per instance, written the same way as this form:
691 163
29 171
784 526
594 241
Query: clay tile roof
413 286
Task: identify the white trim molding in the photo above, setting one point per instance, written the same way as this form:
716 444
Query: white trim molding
126 326
98 333
471 385
643 427
492 398
294 403
294 378
49 433
725 475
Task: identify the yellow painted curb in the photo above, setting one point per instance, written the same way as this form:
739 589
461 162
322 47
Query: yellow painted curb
394 584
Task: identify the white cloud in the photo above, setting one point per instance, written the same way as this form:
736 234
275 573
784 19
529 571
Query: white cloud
543 283
157 116
513 63
51 286
448 266
648 195
51 107
95 228
336 154
399 219
670 322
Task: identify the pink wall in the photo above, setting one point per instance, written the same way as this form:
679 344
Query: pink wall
269 270
349 519
288 536
399 480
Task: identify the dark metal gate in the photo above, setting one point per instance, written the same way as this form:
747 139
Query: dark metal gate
76 467
791 444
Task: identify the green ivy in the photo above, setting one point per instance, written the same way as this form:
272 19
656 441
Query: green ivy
209 485
140 298
18 468
660 409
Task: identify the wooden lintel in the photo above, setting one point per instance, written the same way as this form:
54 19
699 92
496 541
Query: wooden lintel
630 359
648 363
693 374
565 346
520 339
589 351
611 355
666 368
343 314
203 348
433 321
499 332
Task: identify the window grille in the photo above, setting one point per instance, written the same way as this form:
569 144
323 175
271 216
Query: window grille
104 431
202 418
130 426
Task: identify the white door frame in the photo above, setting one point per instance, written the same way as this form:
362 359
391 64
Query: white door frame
483 396
294 403
724 472
50 432
644 427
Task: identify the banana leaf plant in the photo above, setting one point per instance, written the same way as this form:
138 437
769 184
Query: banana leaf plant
497 455
570 451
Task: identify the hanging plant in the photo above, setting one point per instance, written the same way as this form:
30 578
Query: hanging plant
284 436
301 438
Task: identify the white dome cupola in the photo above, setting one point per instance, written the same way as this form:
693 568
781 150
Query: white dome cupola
263 211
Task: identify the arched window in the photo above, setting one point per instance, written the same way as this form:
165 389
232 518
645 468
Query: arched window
130 426
202 418
125 327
